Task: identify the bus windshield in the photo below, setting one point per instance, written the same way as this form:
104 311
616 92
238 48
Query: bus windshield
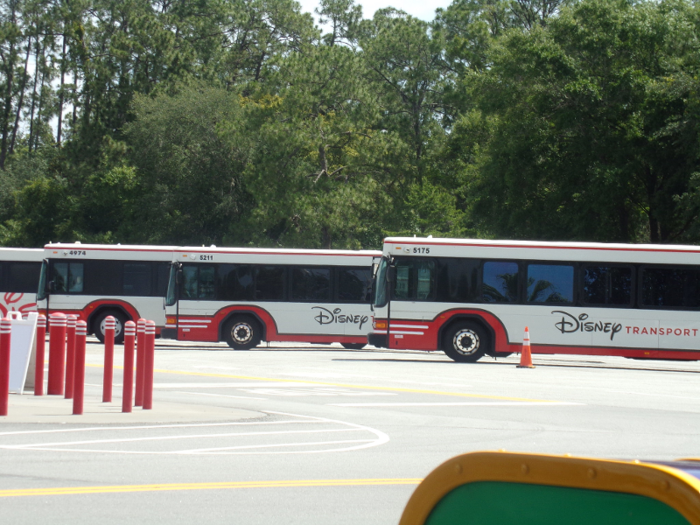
380 280
171 294
42 291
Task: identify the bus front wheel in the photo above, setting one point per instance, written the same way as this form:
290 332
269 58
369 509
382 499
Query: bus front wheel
465 342
242 333
99 325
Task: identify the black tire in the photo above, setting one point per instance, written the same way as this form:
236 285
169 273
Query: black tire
98 325
466 342
353 346
242 333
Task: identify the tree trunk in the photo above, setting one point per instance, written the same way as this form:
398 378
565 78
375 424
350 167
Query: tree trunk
10 68
39 50
21 97
6 112
326 239
41 94
60 91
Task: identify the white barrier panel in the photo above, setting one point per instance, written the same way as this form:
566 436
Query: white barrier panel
21 349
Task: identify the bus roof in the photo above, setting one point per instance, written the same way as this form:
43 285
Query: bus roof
543 250
21 254
276 256
276 251
437 241
117 252
109 247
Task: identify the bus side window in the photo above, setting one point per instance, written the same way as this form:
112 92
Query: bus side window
606 285
500 282
311 284
424 286
236 282
269 283
207 286
457 280
415 279
162 274
22 277
189 282
671 287
137 279
75 277
550 283
354 284
60 277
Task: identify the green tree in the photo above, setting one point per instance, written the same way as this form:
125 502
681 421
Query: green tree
317 160
406 67
592 136
190 151
343 18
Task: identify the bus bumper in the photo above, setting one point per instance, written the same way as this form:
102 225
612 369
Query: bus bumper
378 340
168 333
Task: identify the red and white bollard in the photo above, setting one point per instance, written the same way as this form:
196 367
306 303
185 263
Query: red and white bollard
5 341
149 365
71 321
79 377
128 382
110 327
40 357
140 361
57 353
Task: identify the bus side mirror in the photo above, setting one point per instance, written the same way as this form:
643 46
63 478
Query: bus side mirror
51 285
178 276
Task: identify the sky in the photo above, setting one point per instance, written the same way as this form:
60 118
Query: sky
423 9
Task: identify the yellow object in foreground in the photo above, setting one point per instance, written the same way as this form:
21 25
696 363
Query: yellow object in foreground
502 488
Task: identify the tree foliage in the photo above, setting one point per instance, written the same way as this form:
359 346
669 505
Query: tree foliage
592 135
242 122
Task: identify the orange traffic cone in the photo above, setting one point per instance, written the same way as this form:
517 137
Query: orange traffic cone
525 356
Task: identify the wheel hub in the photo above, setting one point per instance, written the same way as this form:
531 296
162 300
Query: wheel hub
117 326
466 342
242 333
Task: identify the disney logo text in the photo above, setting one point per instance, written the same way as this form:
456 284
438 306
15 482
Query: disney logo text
570 324
326 316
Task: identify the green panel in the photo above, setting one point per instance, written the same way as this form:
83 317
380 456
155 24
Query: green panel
499 503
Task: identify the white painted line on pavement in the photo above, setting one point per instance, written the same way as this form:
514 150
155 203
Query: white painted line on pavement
219 395
255 445
255 384
151 427
466 403
168 438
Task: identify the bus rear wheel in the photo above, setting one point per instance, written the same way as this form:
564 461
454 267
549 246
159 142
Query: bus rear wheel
242 333
353 346
465 342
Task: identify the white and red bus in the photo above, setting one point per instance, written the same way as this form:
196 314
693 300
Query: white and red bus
247 295
19 279
94 281
475 297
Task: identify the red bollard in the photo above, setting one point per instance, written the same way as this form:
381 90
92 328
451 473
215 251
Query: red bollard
70 354
57 353
5 332
128 382
40 351
140 354
110 326
79 377
149 365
